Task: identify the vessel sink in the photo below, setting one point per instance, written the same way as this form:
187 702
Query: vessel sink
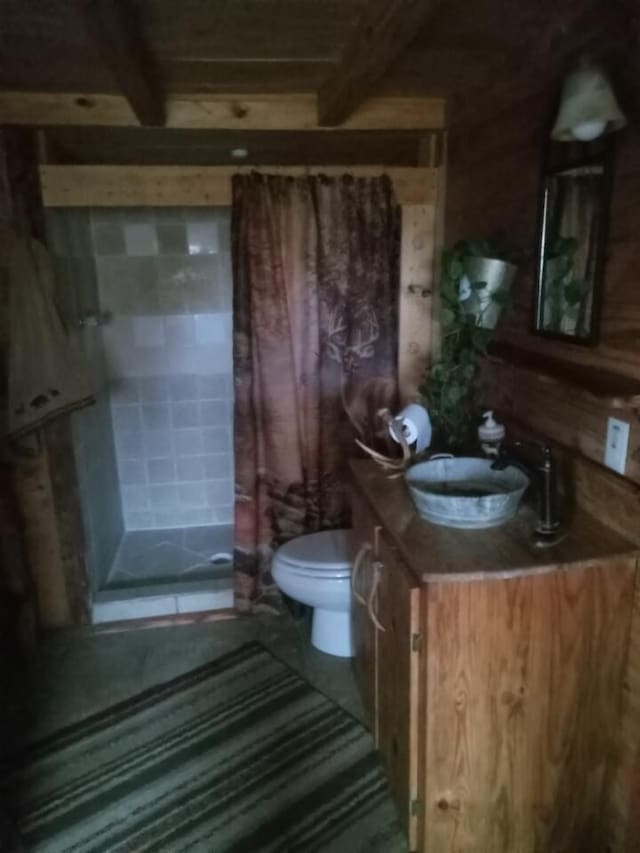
465 492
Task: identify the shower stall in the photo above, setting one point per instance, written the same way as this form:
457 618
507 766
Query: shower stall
146 295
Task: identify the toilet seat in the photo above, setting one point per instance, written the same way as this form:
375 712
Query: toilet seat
317 555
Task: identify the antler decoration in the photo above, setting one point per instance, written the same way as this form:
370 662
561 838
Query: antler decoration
394 467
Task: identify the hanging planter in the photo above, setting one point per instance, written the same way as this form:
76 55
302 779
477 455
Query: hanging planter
484 288
476 280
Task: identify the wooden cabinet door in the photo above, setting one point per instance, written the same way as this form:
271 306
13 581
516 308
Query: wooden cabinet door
400 659
364 542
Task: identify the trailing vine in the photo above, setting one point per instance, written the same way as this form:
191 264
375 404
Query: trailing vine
448 389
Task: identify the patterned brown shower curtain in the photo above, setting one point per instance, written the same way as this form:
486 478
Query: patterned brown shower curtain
316 272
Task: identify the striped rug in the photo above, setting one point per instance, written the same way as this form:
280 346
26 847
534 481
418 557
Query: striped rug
238 755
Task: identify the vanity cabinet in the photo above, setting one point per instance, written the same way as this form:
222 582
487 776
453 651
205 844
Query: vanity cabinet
386 627
491 675
365 636
398 660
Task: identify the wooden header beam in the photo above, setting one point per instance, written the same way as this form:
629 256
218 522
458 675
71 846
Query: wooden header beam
115 31
182 186
228 112
384 30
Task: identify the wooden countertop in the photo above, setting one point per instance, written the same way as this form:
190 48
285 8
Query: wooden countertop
437 554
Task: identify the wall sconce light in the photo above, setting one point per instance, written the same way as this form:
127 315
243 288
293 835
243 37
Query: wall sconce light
588 106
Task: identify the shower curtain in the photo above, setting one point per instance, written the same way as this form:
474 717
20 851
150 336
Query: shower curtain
316 272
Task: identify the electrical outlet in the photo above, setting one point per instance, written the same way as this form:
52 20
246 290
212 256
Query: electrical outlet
615 454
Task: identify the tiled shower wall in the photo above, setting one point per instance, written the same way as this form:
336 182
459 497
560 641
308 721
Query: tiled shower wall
165 279
71 245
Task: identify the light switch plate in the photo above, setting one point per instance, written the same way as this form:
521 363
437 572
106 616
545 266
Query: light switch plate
615 454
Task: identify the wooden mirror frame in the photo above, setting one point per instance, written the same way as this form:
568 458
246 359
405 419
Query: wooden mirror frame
559 156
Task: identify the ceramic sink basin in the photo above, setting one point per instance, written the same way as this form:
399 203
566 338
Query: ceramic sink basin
465 492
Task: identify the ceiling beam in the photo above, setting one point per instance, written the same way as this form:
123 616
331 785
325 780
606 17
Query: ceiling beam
168 146
116 34
195 186
219 112
384 30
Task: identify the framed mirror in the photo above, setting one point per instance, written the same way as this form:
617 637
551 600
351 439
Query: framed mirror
576 191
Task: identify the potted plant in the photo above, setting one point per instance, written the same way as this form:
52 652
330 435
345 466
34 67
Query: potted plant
476 277
487 272
565 293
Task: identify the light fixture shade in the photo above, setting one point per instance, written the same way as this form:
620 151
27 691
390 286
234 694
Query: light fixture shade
587 105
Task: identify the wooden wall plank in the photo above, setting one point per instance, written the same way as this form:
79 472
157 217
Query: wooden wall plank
552 410
416 282
269 29
58 440
438 246
242 112
494 186
166 186
612 499
385 28
32 479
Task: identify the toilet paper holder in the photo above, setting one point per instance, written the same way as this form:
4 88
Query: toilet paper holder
410 426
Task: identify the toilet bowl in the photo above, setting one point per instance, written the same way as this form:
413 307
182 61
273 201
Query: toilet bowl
315 570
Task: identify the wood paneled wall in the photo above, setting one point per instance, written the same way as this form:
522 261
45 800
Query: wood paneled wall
42 483
493 182
494 168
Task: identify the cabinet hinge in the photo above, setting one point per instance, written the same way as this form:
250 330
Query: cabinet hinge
417 642
417 807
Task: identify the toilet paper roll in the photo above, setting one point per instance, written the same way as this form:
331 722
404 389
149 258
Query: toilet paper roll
415 425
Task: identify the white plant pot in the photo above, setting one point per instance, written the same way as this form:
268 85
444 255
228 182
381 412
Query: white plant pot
498 276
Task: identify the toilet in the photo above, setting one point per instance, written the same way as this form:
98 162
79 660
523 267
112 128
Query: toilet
315 570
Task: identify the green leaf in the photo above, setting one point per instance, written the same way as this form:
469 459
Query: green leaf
454 393
455 269
564 246
481 339
446 317
469 372
500 297
573 293
448 388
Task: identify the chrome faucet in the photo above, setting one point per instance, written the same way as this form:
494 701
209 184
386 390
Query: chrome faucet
543 475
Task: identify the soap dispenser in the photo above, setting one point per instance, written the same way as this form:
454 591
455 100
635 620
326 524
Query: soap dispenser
490 434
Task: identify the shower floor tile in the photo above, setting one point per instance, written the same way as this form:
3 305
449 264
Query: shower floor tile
175 554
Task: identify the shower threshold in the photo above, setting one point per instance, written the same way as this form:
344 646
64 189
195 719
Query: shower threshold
168 572
163 599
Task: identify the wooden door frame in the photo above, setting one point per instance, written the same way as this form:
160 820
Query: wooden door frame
419 191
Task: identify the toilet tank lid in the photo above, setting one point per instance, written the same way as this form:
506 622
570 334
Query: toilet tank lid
327 549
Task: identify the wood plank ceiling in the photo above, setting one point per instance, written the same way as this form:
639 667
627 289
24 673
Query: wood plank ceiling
343 50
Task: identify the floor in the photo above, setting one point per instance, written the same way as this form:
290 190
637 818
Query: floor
166 556
78 672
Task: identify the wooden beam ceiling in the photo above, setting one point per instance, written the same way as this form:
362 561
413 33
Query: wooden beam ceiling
115 31
220 112
385 29
171 186
168 146
291 46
